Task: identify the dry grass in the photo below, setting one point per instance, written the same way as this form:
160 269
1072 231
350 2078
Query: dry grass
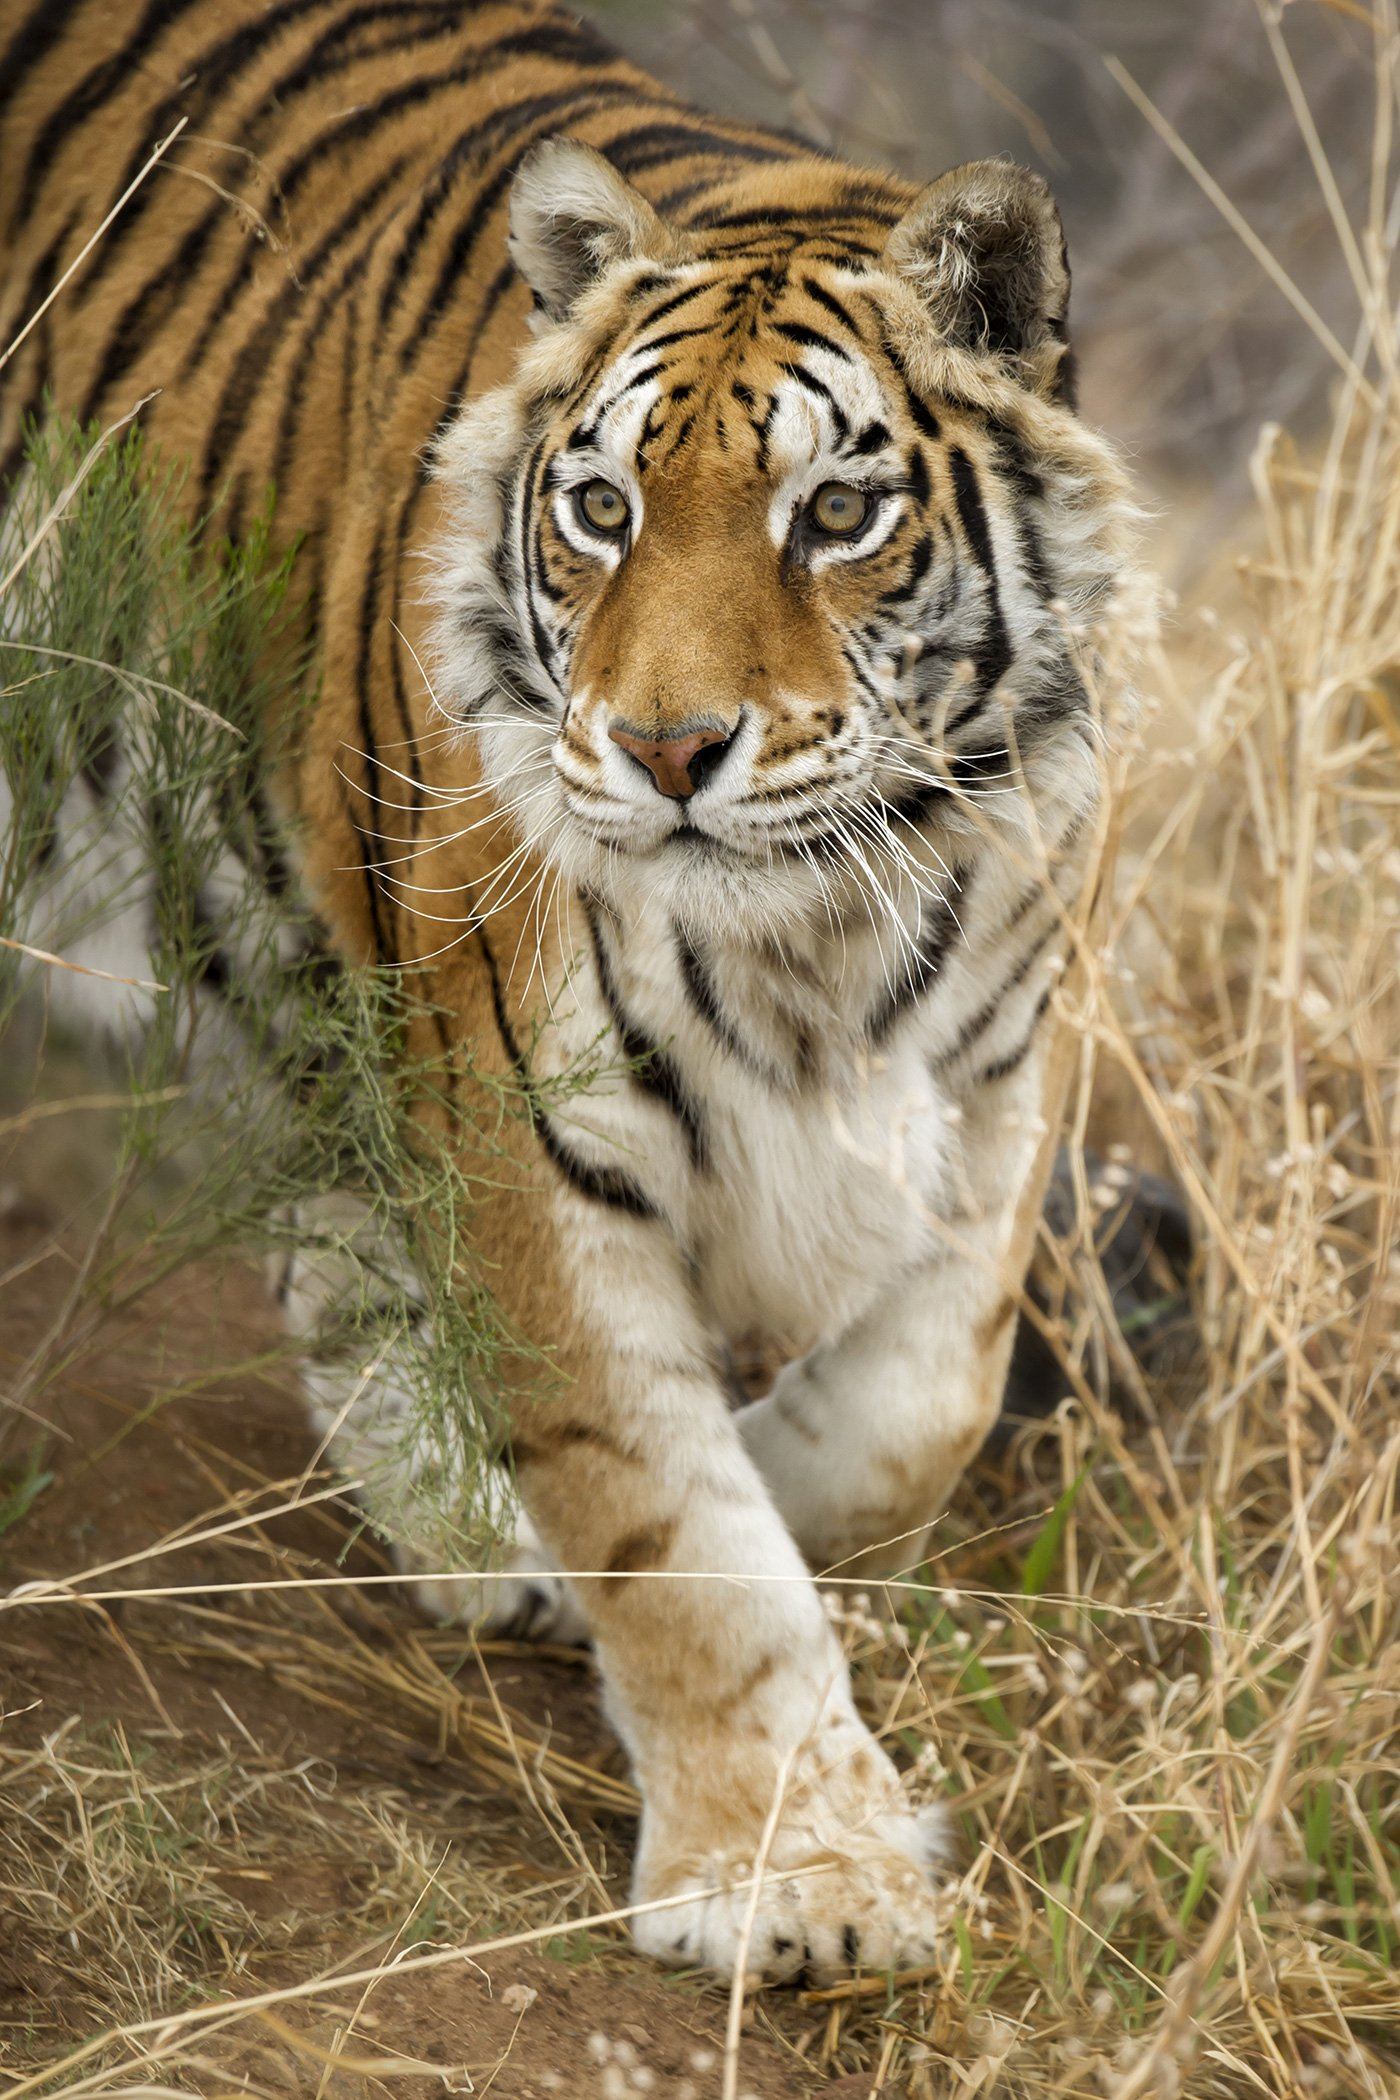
1156 1664
141 1880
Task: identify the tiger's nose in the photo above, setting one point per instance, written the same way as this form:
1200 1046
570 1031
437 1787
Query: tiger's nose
678 765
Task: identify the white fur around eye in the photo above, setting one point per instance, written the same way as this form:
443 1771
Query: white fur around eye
572 471
884 517
789 500
804 442
596 546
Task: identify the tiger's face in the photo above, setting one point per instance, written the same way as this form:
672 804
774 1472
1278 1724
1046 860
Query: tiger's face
780 569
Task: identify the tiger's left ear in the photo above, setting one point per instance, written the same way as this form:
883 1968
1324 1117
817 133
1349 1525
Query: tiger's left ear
984 248
571 216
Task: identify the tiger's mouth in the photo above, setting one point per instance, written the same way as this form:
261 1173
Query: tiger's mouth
684 841
689 835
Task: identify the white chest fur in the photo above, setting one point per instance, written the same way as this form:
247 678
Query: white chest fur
802 1156
819 1198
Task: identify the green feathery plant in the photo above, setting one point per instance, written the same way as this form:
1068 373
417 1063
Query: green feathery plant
136 656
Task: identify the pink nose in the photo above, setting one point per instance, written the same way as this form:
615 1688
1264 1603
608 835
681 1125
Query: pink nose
669 759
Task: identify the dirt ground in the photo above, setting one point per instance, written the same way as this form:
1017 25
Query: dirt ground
494 1770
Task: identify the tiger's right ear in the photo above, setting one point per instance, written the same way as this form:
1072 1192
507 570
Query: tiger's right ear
571 216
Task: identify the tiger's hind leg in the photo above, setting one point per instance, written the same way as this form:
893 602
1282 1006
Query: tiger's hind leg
364 1399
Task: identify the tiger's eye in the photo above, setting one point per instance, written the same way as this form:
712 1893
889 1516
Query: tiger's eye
602 506
837 508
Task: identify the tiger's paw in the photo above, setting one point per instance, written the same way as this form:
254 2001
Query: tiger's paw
526 1599
848 1884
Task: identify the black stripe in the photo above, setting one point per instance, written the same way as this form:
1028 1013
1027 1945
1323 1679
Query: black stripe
718 220
926 963
919 560
44 25
540 578
650 145
678 437
1003 1067
255 362
811 339
992 656
380 902
102 83
699 988
774 252
872 439
401 709
920 802
647 344
522 124
686 293
644 377
1059 693
294 387
968 497
1013 460
862 677
349 356
544 648
367 871
819 392
1043 885
921 415
654 1072
818 291
607 1185
973 1030
761 429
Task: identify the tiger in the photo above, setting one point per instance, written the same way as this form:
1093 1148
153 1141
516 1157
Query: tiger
712 591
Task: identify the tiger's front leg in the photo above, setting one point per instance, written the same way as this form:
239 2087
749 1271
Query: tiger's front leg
722 1672
862 1442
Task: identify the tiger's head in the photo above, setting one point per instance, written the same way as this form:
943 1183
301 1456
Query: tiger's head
784 544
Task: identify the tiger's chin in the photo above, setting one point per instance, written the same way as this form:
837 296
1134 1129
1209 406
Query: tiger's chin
709 889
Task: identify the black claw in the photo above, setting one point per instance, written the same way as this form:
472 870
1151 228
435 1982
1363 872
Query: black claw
533 1606
780 1945
850 1945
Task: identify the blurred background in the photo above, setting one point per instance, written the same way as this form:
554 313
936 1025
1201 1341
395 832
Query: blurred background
1185 344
